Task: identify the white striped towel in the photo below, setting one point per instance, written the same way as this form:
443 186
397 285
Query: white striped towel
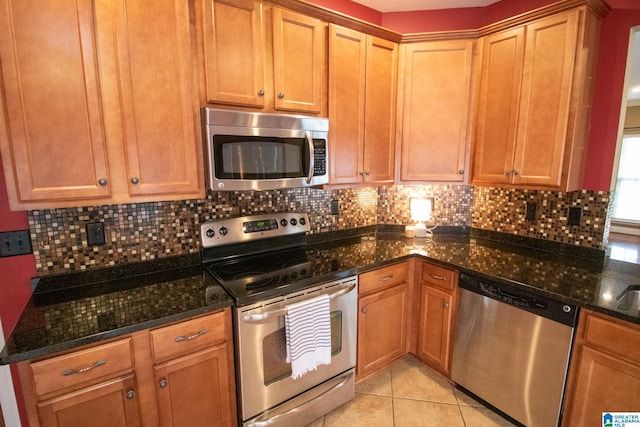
308 335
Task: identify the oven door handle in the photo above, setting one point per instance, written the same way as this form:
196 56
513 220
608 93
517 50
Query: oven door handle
259 317
260 421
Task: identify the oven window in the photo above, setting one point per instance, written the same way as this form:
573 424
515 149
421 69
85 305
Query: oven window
274 352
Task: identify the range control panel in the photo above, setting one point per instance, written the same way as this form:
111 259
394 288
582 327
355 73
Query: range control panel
252 227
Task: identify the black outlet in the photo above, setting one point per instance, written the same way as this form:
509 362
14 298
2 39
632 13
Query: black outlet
334 207
95 234
15 243
575 216
532 209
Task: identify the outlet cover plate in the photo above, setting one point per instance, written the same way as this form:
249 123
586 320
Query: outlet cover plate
532 208
335 207
575 216
95 234
14 243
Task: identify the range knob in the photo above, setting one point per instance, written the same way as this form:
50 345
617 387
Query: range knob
210 233
223 231
303 221
293 221
283 222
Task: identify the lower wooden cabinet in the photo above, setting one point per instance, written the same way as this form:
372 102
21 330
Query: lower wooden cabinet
605 370
437 307
383 313
176 375
106 404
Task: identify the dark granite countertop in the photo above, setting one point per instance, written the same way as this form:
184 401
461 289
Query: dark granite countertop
70 310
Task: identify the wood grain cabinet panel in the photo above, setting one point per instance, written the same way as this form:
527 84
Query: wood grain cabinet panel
160 120
100 103
176 375
436 86
260 56
362 107
233 52
112 403
383 316
604 371
193 389
54 144
437 309
534 102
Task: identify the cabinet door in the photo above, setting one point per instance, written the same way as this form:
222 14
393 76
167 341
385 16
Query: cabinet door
547 79
436 110
604 383
162 144
111 403
233 45
502 56
347 62
382 325
380 110
434 330
299 55
53 145
194 390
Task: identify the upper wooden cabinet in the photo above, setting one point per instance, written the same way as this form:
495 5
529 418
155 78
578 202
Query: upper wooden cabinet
99 103
261 56
362 107
534 102
436 81
54 143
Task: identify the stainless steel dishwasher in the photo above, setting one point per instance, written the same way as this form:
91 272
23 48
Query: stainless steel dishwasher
511 349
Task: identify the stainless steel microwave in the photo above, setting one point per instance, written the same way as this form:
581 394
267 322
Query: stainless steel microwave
259 151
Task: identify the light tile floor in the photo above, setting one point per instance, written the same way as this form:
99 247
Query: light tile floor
409 394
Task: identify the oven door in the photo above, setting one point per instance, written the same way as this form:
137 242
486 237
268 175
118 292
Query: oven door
264 375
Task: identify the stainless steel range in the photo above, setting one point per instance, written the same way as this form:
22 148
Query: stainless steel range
264 264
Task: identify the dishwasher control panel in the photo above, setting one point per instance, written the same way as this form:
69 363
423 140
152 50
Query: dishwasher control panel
522 299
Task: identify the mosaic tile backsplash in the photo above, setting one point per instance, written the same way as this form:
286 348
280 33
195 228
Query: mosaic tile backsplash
145 231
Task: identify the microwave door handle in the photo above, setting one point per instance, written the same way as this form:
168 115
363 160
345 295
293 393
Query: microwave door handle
312 157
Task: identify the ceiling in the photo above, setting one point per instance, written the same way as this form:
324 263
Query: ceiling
407 5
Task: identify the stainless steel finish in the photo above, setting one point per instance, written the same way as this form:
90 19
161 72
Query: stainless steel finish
629 299
261 92
102 181
256 393
280 309
163 383
311 405
513 359
68 372
230 230
242 123
191 337
131 394
135 181
461 171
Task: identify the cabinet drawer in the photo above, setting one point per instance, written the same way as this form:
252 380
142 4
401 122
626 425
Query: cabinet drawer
82 366
382 278
183 338
438 276
618 338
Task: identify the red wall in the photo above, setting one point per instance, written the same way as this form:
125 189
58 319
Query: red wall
608 96
15 272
